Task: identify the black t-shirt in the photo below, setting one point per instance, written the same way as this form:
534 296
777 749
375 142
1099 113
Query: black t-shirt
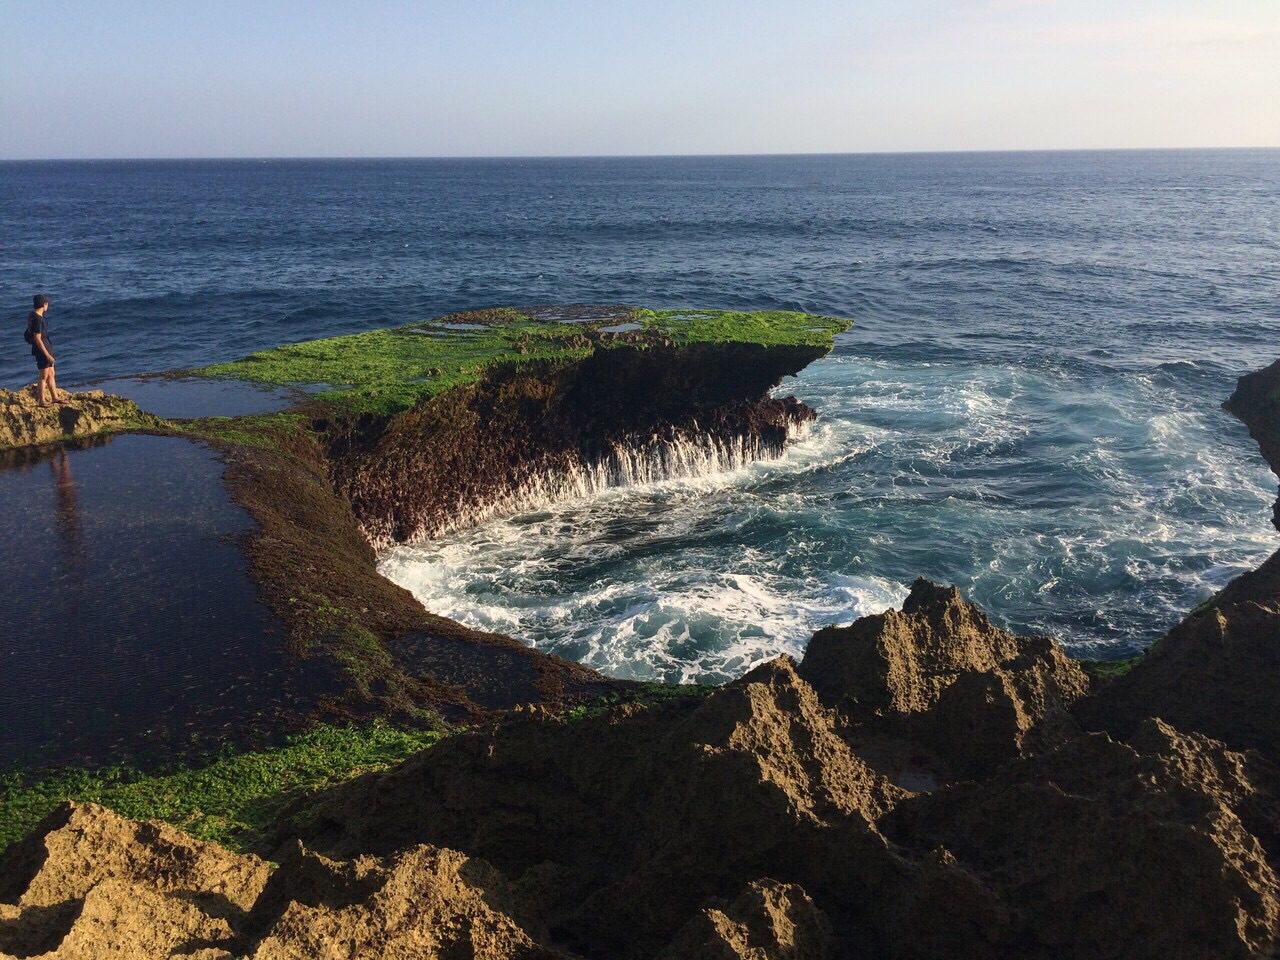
37 324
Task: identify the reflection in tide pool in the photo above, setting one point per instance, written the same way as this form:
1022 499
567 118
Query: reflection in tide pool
1092 503
129 618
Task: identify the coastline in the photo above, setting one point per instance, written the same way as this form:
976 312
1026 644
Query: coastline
921 783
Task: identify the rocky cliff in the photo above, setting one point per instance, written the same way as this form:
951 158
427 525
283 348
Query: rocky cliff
805 811
921 785
433 426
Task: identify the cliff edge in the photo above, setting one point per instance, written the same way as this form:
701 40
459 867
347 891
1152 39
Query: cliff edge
920 785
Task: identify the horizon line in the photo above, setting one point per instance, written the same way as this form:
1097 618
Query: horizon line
642 156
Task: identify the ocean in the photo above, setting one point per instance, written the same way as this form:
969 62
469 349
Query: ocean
1029 405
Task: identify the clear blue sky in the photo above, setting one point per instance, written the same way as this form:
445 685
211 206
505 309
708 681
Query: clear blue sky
226 78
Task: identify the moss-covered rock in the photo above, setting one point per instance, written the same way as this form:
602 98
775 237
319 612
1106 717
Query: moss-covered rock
387 371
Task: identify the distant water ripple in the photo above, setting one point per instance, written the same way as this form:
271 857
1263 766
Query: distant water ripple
1029 406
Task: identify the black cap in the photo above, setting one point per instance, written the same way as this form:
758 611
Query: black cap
40 300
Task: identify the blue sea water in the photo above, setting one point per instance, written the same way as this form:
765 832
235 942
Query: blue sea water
1029 405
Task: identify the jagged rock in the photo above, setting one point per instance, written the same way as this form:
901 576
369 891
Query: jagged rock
1217 672
646 811
23 423
423 904
768 921
1100 850
89 883
1256 402
939 674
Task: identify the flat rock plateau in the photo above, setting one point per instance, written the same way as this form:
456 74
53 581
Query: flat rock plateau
921 784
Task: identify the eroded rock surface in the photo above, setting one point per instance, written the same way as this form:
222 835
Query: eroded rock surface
23 422
938 675
768 920
741 825
522 435
87 883
1074 840
421 904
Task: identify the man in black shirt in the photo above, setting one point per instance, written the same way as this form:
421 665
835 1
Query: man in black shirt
41 349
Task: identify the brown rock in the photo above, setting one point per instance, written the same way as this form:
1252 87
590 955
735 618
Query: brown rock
939 674
89 883
646 812
535 431
1102 851
23 423
423 904
768 921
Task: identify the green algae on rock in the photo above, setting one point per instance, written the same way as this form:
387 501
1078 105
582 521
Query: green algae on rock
386 371
442 423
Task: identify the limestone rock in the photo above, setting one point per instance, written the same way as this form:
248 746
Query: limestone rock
89 883
768 921
422 904
23 423
646 812
938 673
1102 850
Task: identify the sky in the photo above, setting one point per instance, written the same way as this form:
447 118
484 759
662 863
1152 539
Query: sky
402 78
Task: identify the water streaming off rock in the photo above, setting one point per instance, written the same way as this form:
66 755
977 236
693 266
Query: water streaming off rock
1028 407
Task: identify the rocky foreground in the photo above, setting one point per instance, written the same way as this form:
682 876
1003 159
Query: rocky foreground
921 785
23 422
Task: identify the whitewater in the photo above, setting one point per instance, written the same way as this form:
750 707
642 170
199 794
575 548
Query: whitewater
1092 504
1029 405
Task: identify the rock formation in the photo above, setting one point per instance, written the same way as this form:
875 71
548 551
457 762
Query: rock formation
922 785
939 676
543 432
742 825
23 422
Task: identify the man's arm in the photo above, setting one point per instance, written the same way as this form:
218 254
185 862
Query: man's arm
39 338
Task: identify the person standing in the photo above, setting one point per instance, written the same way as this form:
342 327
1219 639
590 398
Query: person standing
42 350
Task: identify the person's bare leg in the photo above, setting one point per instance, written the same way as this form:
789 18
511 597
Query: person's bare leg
53 387
40 388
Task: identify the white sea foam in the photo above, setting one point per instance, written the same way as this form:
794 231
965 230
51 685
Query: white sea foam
1097 510
685 454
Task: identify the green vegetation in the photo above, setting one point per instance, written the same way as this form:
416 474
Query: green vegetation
771 328
644 694
235 799
253 431
1109 669
386 371
232 801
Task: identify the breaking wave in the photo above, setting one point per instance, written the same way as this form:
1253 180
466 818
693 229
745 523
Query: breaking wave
680 454
1091 504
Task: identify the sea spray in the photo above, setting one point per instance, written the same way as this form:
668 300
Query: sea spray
680 454
1091 504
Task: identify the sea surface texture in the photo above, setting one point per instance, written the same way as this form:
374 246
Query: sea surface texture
1028 407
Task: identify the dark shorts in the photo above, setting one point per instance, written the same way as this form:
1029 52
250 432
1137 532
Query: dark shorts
43 362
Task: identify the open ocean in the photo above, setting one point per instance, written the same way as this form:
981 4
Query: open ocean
1028 407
